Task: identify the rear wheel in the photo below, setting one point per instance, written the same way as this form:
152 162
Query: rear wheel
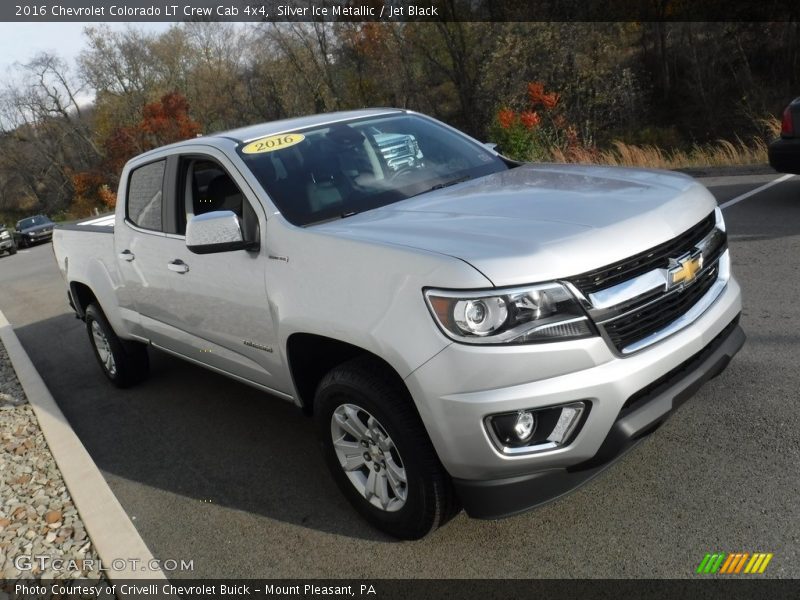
124 363
379 452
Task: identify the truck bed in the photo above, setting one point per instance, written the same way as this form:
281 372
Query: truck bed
102 224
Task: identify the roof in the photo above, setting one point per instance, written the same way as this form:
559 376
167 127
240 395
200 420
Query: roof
253 132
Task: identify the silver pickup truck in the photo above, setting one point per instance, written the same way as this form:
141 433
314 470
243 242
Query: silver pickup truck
469 333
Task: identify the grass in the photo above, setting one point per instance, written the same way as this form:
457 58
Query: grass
720 153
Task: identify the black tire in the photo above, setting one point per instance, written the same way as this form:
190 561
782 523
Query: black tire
130 361
430 500
12 250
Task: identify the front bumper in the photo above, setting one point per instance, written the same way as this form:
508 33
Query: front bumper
784 155
458 388
45 236
7 244
649 409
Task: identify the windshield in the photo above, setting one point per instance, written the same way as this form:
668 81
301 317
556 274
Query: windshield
32 222
338 170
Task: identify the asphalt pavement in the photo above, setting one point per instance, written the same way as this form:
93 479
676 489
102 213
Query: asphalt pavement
216 472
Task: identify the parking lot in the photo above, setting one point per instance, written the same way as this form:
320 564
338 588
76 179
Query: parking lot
217 472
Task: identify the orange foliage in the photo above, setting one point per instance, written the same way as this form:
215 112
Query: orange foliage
163 122
537 95
368 39
540 129
530 119
506 117
168 121
108 197
91 193
85 183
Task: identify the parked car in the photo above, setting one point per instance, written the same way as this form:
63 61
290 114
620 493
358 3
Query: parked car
784 153
471 332
32 230
7 243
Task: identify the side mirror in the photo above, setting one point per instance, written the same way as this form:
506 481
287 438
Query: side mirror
218 231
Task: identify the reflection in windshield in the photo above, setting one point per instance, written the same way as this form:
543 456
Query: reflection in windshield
346 168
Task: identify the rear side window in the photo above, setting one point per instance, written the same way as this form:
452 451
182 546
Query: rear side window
145 196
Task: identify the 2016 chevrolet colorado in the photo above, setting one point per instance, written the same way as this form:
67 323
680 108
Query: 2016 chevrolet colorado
467 332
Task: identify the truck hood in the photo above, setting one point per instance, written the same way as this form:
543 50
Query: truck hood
539 222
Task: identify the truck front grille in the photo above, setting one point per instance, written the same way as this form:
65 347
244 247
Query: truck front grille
642 322
654 258
634 319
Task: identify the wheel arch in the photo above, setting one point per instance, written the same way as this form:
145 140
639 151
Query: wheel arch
81 296
311 356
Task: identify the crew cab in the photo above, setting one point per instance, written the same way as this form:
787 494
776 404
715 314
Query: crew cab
468 333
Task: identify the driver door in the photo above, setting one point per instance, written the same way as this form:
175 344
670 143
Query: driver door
210 308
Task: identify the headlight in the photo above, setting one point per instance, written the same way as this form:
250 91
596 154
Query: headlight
538 313
4 235
719 218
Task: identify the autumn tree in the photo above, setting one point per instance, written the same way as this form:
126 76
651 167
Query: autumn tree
47 134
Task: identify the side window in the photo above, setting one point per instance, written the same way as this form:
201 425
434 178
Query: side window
207 187
210 188
145 196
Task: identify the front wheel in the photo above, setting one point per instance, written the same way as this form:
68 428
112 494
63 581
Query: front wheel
379 452
124 363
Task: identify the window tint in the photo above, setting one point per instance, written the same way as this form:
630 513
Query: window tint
207 187
339 170
213 189
145 196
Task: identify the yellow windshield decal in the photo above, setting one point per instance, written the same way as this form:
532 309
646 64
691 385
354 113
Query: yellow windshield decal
273 143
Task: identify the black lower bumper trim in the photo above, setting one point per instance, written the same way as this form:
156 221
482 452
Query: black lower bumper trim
499 498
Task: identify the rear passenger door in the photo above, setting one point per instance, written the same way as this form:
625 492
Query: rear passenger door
210 308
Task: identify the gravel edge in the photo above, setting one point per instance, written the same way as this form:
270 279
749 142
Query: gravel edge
38 518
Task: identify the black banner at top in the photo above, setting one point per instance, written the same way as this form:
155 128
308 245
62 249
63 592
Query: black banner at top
398 10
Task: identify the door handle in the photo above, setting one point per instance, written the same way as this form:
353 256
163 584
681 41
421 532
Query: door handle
178 266
126 255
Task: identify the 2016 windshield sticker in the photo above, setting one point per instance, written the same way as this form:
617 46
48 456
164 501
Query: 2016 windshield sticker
273 143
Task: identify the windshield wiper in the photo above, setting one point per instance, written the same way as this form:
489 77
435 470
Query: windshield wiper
440 186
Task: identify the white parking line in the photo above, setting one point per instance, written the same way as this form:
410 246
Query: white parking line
755 191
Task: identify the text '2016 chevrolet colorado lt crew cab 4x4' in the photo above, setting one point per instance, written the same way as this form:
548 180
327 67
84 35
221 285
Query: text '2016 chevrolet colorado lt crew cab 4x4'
466 331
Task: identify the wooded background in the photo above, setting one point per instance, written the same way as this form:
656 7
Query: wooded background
545 90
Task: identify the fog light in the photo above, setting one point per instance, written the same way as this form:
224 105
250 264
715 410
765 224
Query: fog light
514 429
536 430
524 426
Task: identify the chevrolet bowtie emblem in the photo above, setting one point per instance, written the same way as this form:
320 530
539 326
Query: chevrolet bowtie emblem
685 269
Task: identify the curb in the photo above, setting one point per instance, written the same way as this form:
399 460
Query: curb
111 531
